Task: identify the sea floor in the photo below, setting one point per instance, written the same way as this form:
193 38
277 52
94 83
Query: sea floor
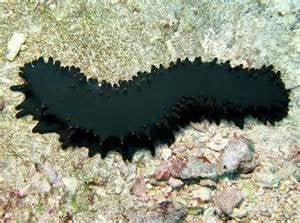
212 173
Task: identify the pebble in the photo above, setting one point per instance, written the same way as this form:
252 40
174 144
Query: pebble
202 193
14 45
238 154
167 169
209 216
118 188
166 153
208 183
267 178
179 148
176 167
44 186
175 183
138 187
165 211
162 172
239 213
71 184
195 168
229 198
287 170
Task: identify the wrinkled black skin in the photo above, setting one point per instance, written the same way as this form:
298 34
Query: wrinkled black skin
148 109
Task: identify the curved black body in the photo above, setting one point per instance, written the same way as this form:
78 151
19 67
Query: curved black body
148 108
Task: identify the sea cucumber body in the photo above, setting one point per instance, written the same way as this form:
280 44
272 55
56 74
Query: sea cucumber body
150 107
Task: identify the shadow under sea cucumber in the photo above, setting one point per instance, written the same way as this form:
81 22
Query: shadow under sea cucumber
150 107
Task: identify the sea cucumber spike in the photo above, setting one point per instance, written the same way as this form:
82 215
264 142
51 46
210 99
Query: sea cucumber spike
115 87
171 65
28 66
161 68
19 88
41 60
198 60
270 67
34 62
57 64
72 69
227 63
22 113
186 61
130 83
238 68
214 61
93 81
50 60
154 69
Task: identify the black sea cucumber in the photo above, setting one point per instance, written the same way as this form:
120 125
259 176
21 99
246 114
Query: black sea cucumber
150 107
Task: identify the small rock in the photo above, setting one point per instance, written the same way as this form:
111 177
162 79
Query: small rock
167 169
239 213
50 172
118 188
138 187
149 168
229 198
175 183
166 211
209 216
71 184
166 153
176 167
238 155
203 193
162 172
14 45
44 186
268 179
195 168
2 104
248 167
287 170
179 148
208 183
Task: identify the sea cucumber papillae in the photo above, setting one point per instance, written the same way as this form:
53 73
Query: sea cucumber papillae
150 107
